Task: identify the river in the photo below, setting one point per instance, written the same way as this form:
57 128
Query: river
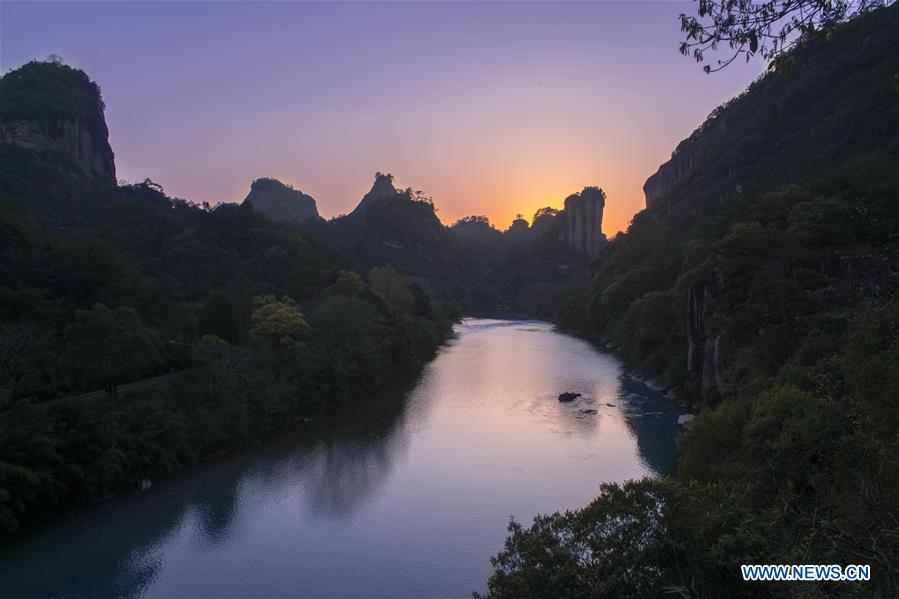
405 495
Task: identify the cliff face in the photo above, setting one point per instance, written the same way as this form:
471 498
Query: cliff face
683 160
67 136
705 367
281 202
787 129
581 221
50 108
776 214
852 275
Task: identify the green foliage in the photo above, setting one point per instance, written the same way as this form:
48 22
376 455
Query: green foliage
766 27
607 549
391 286
216 317
191 277
763 289
114 342
278 322
50 92
348 283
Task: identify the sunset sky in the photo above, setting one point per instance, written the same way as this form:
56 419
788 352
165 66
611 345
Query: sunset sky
490 108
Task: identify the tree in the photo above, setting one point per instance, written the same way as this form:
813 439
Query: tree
110 346
614 547
475 219
25 350
278 322
392 286
348 283
215 355
355 343
240 294
216 317
769 28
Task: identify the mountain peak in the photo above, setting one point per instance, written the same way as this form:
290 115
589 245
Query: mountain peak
281 202
380 189
51 107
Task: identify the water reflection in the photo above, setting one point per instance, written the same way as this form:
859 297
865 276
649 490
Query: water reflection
407 494
652 418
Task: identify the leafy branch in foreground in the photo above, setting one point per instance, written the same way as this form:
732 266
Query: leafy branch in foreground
769 28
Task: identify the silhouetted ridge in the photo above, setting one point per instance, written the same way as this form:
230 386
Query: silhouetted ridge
380 189
837 101
281 202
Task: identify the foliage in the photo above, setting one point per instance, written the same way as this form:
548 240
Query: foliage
114 342
770 28
204 281
763 290
607 549
278 321
216 317
48 92
392 287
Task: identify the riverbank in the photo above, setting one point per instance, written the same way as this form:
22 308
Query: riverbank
405 494
61 455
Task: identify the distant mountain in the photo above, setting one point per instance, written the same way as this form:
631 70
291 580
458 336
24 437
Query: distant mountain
478 230
382 188
395 227
281 202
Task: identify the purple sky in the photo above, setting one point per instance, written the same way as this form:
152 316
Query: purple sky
491 108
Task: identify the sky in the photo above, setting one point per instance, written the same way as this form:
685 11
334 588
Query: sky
491 108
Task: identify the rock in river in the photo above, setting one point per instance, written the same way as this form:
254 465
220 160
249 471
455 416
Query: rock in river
568 396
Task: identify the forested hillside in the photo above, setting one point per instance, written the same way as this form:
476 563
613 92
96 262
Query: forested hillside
102 285
760 287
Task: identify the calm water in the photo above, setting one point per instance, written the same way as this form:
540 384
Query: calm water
406 495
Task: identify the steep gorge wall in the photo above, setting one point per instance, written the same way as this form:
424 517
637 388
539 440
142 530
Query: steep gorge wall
682 161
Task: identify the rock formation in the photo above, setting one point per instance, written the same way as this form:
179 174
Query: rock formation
398 228
705 361
657 185
581 228
47 107
281 202
381 189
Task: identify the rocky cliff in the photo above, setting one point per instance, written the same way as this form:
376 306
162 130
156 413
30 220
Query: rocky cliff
281 202
683 160
705 366
397 228
777 213
50 108
381 189
581 221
